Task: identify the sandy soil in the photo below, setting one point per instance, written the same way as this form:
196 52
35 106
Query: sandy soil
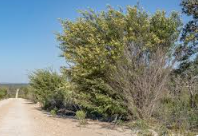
21 117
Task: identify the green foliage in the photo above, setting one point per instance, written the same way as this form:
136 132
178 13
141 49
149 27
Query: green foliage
145 133
189 35
45 86
189 7
138 125
94 43
182 109
3 93
176 114
69 96
12 88
163 131
24 92
53 112
81 115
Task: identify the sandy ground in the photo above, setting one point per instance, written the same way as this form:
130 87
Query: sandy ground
21 117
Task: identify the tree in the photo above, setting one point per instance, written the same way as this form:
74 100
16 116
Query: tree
188 50
189 37
190 32
45 86
95 43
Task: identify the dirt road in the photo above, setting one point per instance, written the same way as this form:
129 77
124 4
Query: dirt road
21 117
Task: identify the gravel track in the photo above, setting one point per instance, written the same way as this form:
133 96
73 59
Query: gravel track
19 117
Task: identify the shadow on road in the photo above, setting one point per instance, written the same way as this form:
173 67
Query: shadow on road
91 124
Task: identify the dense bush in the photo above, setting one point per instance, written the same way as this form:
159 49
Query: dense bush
95 44
176 114
3 93
176 111
45 85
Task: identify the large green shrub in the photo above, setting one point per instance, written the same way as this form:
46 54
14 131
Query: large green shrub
94 43
45 86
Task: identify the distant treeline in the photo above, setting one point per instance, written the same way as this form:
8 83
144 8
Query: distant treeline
9 89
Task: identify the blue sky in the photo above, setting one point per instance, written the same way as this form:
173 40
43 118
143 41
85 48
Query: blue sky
28 27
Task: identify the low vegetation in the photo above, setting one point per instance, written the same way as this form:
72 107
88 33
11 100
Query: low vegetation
3 93
81 115
121 67
11 88
46 88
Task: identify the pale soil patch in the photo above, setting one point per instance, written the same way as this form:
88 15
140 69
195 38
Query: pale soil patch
21 117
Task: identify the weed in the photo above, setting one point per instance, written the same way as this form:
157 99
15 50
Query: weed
81 115
53 112
163 131
138 124
145 133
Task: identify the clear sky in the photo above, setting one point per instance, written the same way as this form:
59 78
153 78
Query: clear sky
28 27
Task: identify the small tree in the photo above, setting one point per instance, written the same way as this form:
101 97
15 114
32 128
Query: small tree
45 86
189 37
